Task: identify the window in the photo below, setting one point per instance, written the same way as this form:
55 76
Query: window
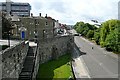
46 23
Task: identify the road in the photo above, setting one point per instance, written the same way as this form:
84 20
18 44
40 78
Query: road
98 62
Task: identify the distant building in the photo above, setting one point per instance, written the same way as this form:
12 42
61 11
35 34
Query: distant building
119 10
15 8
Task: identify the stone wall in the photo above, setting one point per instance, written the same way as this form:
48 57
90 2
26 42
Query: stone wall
36 67
54 47
12 60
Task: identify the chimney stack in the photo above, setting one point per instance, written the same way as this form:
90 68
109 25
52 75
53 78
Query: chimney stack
31 14
40 14
57 20
46 16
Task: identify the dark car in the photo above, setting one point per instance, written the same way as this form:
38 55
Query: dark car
76 34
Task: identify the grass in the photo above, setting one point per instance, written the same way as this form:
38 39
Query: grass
56 69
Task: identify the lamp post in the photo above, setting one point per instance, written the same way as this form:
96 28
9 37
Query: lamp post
9 39
8 32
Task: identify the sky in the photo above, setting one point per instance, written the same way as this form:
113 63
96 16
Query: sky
72 11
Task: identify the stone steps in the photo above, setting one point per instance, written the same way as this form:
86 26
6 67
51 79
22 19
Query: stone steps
28 66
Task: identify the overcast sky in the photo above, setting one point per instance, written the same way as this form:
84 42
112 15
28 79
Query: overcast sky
72 11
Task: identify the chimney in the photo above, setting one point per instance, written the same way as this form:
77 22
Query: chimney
40 14
31 14
46 16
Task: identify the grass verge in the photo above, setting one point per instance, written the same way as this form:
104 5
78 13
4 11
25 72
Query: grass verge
56 69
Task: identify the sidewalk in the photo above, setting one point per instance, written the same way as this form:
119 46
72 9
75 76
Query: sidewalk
79 68
12 42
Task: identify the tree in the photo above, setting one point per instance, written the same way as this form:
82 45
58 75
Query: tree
97 36
6 28
110 35
83 28
111 42
107 27
90 34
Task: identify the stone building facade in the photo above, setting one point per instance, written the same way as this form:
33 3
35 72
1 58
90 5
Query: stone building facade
34 26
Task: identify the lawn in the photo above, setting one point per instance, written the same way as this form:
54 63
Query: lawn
56 69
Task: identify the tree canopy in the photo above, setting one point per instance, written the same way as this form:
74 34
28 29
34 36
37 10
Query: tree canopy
83 28
107 35
6 27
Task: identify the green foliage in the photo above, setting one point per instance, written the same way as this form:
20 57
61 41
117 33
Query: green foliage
90 34
107 27
83 28
97 36
6 27
108 35
110 41
60 68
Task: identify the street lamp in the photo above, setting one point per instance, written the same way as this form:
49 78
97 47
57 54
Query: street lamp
9 33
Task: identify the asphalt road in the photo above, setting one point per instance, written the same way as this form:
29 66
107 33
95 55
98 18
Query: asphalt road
98 62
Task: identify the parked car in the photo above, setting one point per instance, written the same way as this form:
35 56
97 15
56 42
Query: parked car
76 34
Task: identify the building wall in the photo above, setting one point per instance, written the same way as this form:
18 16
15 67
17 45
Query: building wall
0 28
19 9
53 48
44 27
37 61
12 60
119 10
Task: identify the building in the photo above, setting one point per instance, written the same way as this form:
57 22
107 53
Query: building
36 26
15 8
119 10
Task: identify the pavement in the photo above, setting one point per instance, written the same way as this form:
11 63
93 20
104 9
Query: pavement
95 63
79 68
32 44
12 42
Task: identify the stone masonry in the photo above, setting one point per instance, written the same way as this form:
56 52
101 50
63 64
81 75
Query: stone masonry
12 60
55 47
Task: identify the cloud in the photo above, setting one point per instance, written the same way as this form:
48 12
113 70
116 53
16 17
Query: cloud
57 6
72 11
